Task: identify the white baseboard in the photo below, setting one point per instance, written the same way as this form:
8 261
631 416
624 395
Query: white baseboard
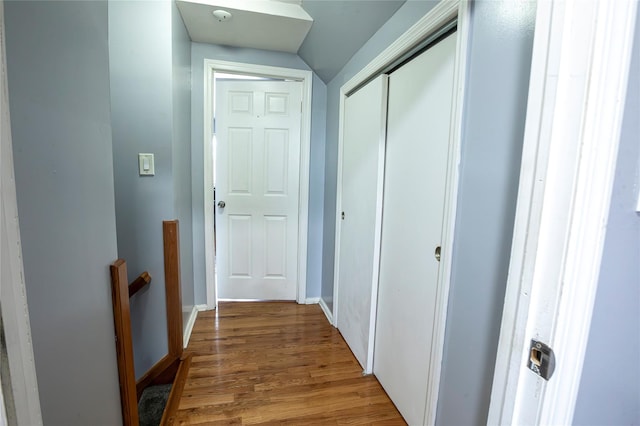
311 300
192 320
326 311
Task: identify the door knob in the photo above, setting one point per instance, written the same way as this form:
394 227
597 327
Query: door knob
437 253
221 204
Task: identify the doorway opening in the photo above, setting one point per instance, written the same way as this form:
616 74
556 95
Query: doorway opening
261 174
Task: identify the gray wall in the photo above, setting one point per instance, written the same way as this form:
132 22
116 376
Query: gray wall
58 68
148 59
200 52
610 386
493 125
498 64
181 74
404 18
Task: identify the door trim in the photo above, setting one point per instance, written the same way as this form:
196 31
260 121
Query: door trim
305 77
579 71
443 13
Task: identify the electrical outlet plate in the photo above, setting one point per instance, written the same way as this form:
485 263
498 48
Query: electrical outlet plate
146 166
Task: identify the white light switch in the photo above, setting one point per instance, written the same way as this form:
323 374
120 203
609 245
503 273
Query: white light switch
146 165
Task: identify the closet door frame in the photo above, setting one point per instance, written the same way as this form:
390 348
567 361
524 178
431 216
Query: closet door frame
442 14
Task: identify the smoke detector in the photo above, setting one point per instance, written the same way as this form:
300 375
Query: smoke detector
221 15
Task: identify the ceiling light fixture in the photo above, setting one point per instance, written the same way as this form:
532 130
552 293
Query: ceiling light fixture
222 15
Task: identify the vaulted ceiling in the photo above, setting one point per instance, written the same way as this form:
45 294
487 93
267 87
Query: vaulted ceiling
324 33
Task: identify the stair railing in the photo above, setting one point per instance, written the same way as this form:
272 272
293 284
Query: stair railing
173 367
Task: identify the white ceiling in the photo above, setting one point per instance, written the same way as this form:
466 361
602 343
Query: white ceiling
259 24
324 33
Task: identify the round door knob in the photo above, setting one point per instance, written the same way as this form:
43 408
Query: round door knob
221 204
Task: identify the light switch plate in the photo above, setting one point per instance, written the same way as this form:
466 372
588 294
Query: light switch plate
146 166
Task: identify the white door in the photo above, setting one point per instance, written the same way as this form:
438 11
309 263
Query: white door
257 182
419 116
361 204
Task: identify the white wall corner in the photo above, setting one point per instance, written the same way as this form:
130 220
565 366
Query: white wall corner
326 311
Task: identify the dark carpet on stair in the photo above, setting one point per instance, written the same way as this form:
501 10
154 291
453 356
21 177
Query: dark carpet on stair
152 403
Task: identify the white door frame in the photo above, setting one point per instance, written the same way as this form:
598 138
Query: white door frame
305 77
13 295
443 13
579 73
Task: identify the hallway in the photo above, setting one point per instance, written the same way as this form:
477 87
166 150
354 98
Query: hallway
277 362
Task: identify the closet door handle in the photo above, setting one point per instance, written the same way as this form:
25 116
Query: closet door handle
437 253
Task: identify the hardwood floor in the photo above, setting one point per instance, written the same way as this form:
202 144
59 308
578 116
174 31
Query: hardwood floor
277 363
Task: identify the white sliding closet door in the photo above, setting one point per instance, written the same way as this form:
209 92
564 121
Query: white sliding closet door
419 117
361 207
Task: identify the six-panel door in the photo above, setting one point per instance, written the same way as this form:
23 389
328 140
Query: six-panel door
257 179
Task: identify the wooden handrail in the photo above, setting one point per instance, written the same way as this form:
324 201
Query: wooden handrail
124 342
173 367
173 294
139 283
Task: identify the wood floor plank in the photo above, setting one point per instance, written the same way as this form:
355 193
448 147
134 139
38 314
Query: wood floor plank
276 363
